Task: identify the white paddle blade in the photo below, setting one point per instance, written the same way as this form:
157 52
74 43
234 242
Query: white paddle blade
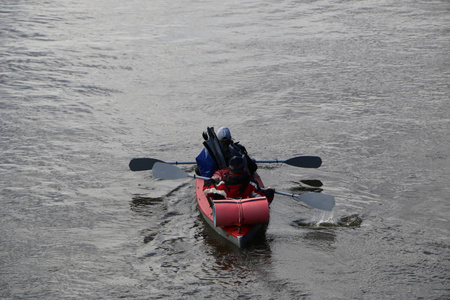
166 171
318 200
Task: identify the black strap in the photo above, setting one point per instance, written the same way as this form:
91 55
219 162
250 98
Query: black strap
216 147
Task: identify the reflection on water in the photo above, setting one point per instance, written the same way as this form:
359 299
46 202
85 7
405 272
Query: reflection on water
140 200
149 235
323 239
232 266
147 206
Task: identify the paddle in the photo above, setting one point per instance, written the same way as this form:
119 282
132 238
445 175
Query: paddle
165 171
142 164
312 182
306 161
316 200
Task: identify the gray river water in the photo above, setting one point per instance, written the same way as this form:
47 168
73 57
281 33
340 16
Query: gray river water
85 86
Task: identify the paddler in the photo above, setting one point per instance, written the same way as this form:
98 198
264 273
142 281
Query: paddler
218 151
238 183
230 149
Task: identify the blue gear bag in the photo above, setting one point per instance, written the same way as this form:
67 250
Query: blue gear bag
205 163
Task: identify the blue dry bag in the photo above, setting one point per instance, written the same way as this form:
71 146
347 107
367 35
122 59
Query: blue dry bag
205 163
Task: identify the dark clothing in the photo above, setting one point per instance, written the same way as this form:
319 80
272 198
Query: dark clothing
217 153
235 149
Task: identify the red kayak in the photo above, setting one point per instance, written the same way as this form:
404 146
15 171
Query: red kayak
237 220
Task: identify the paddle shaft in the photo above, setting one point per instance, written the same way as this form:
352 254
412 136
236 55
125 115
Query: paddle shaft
287 194
273 161
143 164
270 161
180 162
198 177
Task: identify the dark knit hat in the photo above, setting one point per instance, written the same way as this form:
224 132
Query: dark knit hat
236 162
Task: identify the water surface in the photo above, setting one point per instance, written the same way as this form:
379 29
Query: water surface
86 86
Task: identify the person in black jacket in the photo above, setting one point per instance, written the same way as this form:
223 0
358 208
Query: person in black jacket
237 184
230 149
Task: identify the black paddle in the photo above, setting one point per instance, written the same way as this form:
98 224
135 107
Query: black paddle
312 182
143 164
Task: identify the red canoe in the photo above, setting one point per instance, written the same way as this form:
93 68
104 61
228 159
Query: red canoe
237 220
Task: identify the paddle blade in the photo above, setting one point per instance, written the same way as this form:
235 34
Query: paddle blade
305 161
166 171
312 182
142 164
317 200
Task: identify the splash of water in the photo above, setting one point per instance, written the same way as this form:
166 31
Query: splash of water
323 218
320 219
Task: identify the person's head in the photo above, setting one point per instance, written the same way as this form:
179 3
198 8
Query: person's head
223 134
236 163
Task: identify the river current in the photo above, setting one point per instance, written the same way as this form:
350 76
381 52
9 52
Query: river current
85 86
